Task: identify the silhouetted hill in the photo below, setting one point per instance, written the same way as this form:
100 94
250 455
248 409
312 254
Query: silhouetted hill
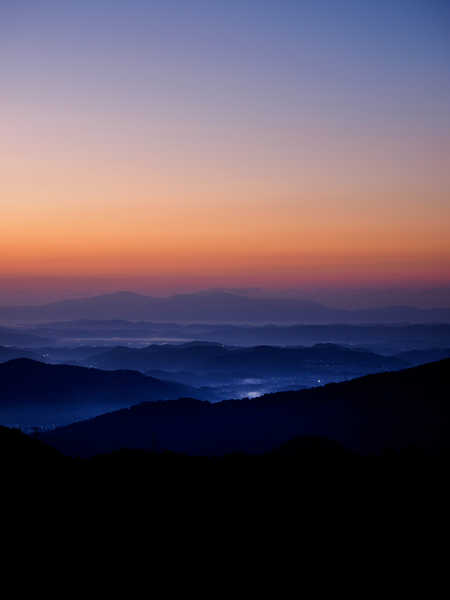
12 353
369 414
215 307
233 372
261 361
22 454
308 482
419 357
77 355
26 455
33 393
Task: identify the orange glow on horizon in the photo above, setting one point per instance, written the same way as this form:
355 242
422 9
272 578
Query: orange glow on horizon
222 142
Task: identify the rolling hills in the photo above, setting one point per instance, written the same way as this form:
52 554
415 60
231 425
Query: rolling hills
36 394
368 415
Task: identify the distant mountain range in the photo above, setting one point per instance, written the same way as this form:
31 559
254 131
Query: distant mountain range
9 353
15 337
368 415
233 371
33 393
379 338
216 306
419 357
260 361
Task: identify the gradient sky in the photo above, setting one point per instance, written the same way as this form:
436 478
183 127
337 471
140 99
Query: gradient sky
272 143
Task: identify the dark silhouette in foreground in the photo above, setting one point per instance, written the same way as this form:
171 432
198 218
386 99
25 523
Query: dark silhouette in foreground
27 457
316 480
308 483
368 415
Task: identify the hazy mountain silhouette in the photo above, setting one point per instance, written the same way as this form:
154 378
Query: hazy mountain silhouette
215 306
15 337
384 339
77 355
34 393
419 357
259 361
369 414
233 372
7 353
228 372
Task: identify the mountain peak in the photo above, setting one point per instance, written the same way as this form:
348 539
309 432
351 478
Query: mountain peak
122 295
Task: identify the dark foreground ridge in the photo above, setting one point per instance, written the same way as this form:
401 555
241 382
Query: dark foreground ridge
306 481
368 415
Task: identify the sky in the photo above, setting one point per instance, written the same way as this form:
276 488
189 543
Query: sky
187 144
